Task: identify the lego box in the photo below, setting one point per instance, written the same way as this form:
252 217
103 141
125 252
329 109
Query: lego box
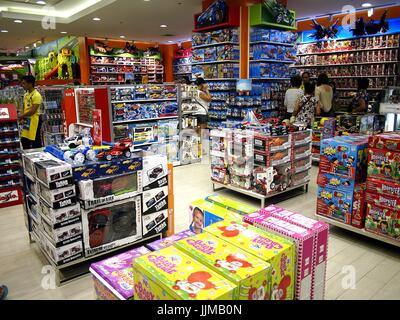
275 250
304 240
113 277
251 275
169 241
384 165
170 274
382 221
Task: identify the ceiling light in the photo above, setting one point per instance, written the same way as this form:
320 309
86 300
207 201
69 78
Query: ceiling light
26 47
18 21
170 41
63 32
146 0
4 31
366 5
41 2
163 26
370 12
122 37
96 19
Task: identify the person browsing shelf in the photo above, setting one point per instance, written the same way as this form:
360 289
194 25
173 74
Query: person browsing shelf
203 100
307 106
324 94
293 94
359 104
306 77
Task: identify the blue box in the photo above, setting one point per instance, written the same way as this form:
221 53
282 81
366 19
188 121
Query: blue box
210 54
336 182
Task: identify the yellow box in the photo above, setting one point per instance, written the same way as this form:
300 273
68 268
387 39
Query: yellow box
277 251
231 205
251 275
170 274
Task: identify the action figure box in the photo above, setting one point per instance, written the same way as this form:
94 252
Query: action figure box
198 55
345 156
304 240
169 241
388 141
93 193
275 250
269 180
230 204
62 236
384 165
383 187
382 221
170 274
52 196
108 227
60 217
113 277
54 173
251 275
321 230
336 182
383 201
347 207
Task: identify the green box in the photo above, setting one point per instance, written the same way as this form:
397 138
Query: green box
260 16
231 205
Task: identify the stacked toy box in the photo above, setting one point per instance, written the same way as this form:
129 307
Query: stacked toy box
323 128
383 185
341 179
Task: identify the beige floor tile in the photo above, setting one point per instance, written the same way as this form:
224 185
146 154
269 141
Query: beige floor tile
365 289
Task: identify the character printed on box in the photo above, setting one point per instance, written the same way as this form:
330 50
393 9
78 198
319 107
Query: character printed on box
384 165
258 293
198 221
233 230
233 262
196 282
279 291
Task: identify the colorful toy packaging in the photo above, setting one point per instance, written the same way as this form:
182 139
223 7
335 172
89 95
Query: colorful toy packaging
383 201
384 165
383 187
304 240
388 141
345 156
336 182
170 274
231 205
251 275
277 251
169 241
113 277
382 221
321 229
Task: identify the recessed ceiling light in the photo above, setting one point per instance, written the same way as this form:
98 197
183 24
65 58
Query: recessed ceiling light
4 31
163 26
96 19
63 32
146 0
366 5
41 2
170 41
26 47
18 21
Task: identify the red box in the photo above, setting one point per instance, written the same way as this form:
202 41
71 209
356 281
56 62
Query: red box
382 221
10 197
389 141
383 187
384 201
384 165
271 144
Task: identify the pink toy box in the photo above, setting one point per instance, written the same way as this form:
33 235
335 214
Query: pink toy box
304 240
321 229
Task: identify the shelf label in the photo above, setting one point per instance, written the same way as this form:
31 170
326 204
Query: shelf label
4 113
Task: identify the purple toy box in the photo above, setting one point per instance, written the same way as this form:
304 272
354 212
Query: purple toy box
113 277
169 241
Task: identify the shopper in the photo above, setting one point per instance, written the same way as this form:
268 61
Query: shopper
306 77
359 104
307 106
30 118
324 94
3 292
293 94
203 100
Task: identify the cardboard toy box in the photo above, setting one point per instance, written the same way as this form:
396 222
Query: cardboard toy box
382 221
113 277
155 195
388 141
301 137
277 251
321 230
64 235
344 156
53 196
54 173
301 178
269 180
383 187
347 207
304 240
60 217
203 213
169 241
230 204
29 160
301 151
271 159
384 201
271 144
384 165
61 203
251 275
335 181
109 189
110 226
170 274
302 165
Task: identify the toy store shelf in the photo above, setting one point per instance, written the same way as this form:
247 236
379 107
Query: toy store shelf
343 51
221 79
144 100
109 81
359 231
269 79
142 120
371 76
214 62
215 44
179 73
273 43
273 61
113 72
315 158
6 133
10 143
355 89
342 64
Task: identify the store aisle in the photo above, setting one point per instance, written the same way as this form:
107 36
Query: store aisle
376 265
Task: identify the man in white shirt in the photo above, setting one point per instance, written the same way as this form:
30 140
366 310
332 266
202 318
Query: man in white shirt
293 94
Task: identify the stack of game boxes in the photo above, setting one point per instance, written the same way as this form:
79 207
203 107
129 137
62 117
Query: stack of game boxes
341 179
383 185
323 128
301 157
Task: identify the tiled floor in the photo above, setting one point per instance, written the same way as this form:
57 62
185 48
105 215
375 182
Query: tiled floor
375 266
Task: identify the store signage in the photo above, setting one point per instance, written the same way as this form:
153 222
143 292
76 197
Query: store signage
4 113
389 108
97 128
10 196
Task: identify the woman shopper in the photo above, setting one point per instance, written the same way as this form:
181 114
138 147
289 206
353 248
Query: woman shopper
359 104
203 100
307 106
293 94
324 94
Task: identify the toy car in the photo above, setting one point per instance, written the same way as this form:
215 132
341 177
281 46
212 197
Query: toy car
155 172
80 155
121 148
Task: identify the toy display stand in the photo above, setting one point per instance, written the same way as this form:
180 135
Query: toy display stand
357 230
219 186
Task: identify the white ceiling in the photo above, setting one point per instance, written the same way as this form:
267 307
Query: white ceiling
135 19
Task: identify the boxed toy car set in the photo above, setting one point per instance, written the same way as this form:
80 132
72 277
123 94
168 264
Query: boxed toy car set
53 197
60 217
113 277
170 274
251 275
54 173
277 251
62 235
